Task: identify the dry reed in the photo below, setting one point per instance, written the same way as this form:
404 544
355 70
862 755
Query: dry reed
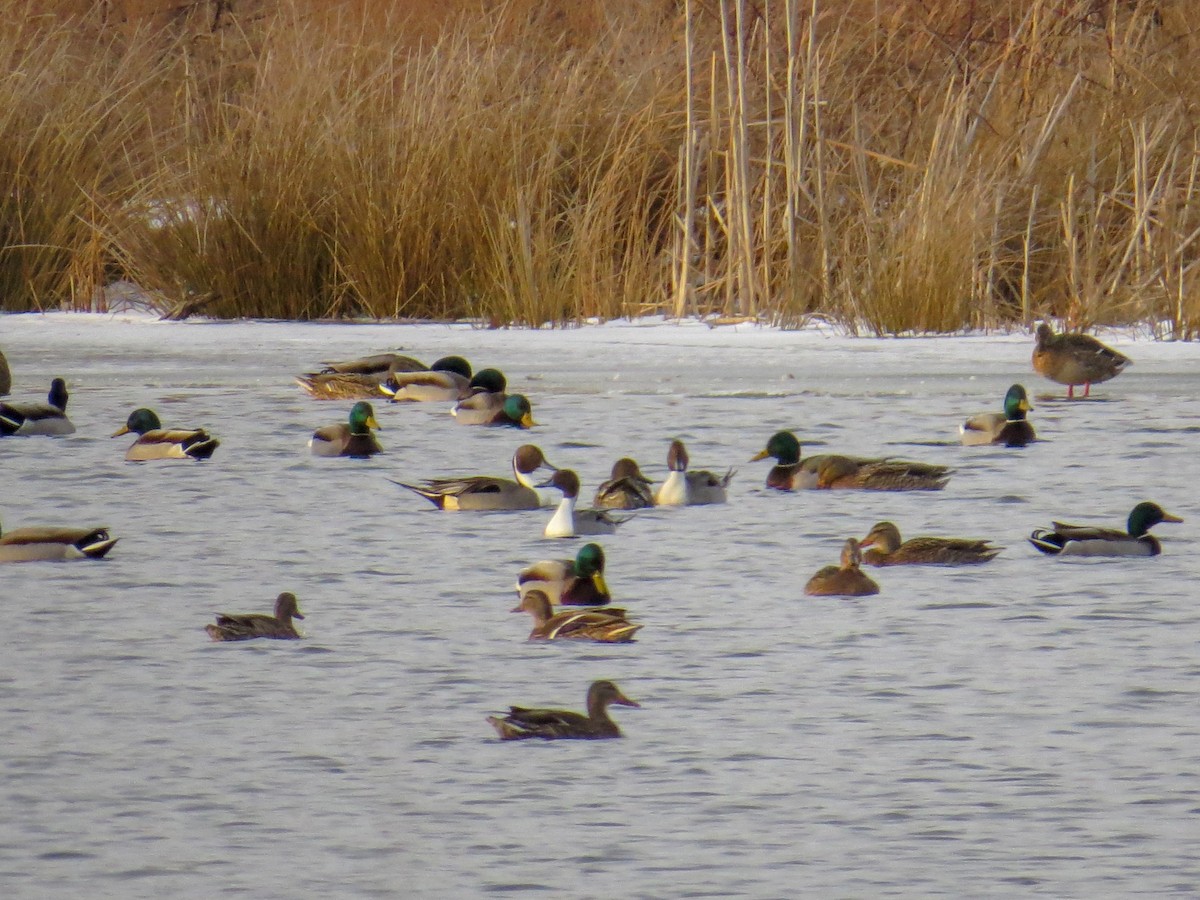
900 167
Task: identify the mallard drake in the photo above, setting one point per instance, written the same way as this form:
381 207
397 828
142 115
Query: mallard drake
1087 540
846 580
1073 359
605 626
827 470
446 380
568 521
628 488
1009 428
887 549
5 375
247 626
555 724
483 492
52 543
156 443
515 412
357 379
352 438
569 582
486 398
35 417
684 488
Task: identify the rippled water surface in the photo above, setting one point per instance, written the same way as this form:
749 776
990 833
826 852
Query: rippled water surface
1026 727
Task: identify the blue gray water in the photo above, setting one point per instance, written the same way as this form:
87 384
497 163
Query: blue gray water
1025 728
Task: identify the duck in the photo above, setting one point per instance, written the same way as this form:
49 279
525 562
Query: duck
1086 540
569 582
1009 428
557 724
604 626
887 549
684 488
483 492
54 543
5 376
846 580
486 397
568 521
247 626
446 380
374 364
351 438
627 488
357 379
828 470
156 443
515 412
1074 359
35 417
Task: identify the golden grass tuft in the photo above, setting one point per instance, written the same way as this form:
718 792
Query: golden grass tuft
899 167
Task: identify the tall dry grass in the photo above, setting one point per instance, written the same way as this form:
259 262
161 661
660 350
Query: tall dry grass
76 140
895 167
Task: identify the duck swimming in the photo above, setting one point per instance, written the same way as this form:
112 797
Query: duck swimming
54 543
846 580
356 379
626 488
887 549
155 442
352 438
556 724
483 492
684 488
827 470
568 521
446 380
486 397
569 582
247 626
1086 540
1009 428
602 625
34 417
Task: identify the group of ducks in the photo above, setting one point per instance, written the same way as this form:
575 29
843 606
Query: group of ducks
577 586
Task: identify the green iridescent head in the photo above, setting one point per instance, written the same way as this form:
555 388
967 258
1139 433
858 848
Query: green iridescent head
1016 403
1145 516
490 380
783 446
362 418
139 422
455 364
518 411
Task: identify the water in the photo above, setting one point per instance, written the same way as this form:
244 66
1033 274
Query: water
1022 728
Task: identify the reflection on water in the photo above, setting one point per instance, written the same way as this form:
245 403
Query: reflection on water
1028 725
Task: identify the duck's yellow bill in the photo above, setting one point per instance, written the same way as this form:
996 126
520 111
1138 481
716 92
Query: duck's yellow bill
124 429
527 420
1026 406
762 454
373 424
1167 517
601 585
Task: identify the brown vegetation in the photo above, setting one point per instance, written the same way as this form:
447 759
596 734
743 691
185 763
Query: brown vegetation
900 166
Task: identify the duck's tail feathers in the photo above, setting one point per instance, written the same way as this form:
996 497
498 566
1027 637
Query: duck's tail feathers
1046 541
434 497
202 448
